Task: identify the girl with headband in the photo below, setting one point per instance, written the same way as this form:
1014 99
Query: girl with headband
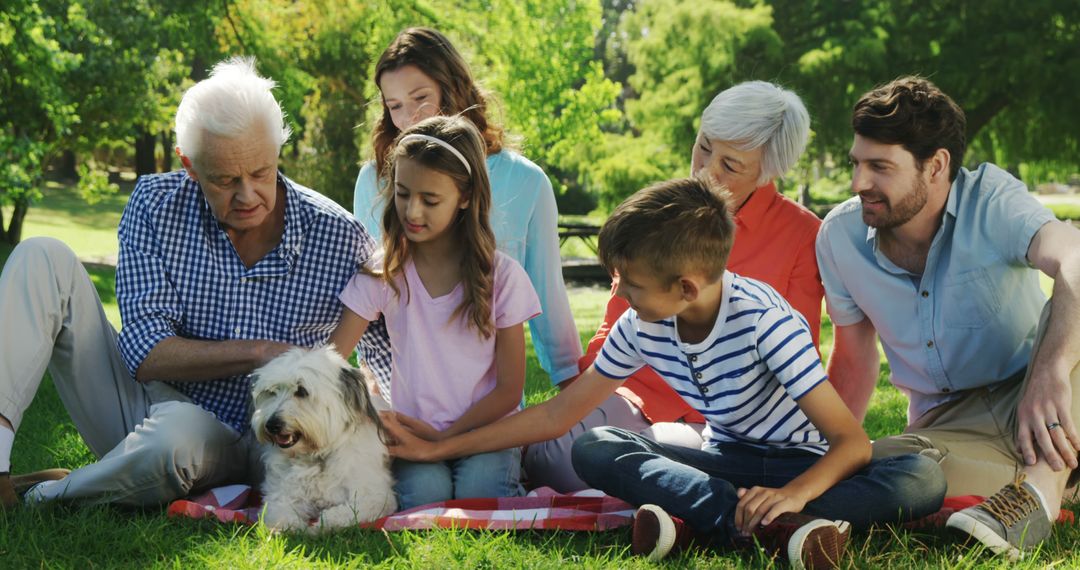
453 306
421 75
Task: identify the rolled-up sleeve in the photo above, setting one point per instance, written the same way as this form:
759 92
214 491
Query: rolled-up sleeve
842 308
149 306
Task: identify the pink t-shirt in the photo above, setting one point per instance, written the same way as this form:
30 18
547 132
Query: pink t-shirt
441 366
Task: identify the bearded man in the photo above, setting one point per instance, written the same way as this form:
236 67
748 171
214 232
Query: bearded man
939 261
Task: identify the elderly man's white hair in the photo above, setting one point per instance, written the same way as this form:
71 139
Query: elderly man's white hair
227 104
760 114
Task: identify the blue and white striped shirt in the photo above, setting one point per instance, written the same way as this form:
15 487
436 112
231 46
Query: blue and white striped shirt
745 377
178 275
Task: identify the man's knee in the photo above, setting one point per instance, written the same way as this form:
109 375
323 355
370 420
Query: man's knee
904 444
37 250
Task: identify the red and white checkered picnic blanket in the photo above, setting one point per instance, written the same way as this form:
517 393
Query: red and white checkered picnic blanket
540 510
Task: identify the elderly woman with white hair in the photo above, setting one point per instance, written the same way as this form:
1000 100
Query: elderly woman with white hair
750 135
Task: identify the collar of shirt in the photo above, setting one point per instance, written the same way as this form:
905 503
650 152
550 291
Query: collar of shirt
282 258
752 212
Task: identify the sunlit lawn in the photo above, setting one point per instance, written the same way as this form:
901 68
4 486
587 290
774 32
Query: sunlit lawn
66 537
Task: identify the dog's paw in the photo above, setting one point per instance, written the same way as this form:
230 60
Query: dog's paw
338 516
279 519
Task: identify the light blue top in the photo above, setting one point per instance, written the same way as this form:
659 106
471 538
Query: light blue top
525 221
969 320
745 377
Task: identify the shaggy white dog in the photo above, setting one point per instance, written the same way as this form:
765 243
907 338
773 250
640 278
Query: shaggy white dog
325 456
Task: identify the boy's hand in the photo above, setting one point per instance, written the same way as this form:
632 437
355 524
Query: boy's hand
759 506
405 444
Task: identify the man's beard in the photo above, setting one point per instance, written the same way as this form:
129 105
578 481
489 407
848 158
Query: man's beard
905 209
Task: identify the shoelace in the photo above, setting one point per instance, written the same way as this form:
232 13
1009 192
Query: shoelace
1012 503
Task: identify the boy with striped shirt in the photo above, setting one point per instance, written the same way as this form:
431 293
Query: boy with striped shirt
785 462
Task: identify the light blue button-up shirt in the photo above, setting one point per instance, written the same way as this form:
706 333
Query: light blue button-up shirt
969 320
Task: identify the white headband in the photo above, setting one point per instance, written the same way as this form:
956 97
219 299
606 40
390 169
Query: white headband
440 142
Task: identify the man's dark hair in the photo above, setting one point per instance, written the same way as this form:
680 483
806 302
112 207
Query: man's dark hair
914 113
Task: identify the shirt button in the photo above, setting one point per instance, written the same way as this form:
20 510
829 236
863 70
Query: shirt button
693 358
244 280
697 375
704 390
236 330
929 344
925 294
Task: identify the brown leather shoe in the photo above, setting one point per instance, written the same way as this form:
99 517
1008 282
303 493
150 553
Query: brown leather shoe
13 488
8 497
22 483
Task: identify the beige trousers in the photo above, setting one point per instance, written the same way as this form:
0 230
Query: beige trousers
975 435
154 445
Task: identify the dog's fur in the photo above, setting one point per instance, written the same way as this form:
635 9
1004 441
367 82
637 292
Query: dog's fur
325 455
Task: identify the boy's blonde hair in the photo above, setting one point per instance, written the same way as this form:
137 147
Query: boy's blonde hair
472 228
674 227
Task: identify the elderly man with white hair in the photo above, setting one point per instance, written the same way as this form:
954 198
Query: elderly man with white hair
223 265
750 135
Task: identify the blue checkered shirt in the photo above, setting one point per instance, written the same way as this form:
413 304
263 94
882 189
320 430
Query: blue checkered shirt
178 275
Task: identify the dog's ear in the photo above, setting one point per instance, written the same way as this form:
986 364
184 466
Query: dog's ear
253 379
354 388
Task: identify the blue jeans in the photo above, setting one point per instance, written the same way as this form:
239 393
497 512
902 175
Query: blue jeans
495 474
699 486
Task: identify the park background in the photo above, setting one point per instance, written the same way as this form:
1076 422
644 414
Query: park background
604 95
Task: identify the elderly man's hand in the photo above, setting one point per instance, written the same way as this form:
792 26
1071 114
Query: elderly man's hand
1045 426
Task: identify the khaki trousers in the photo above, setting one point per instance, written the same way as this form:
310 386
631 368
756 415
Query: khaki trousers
154 445
974 436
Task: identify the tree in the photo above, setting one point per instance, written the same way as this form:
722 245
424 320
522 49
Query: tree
37 111
1012 71
83 76
681 55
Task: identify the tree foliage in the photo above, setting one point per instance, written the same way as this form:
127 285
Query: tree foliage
604 94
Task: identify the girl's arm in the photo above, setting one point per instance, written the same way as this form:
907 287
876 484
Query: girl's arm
509 383
849 451
348 332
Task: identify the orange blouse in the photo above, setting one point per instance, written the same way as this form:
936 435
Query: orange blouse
774 243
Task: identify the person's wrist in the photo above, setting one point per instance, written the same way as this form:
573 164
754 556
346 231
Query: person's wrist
267 350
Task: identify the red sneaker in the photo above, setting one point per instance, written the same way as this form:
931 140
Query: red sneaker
657 534
805 541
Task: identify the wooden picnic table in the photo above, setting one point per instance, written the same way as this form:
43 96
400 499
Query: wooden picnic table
585 232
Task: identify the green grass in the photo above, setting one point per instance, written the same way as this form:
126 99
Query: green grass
1064 206
64 215
56 536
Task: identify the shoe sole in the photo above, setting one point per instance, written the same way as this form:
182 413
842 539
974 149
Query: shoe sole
830 538
665 535
974 528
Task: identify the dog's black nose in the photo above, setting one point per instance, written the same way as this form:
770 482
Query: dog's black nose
274 425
